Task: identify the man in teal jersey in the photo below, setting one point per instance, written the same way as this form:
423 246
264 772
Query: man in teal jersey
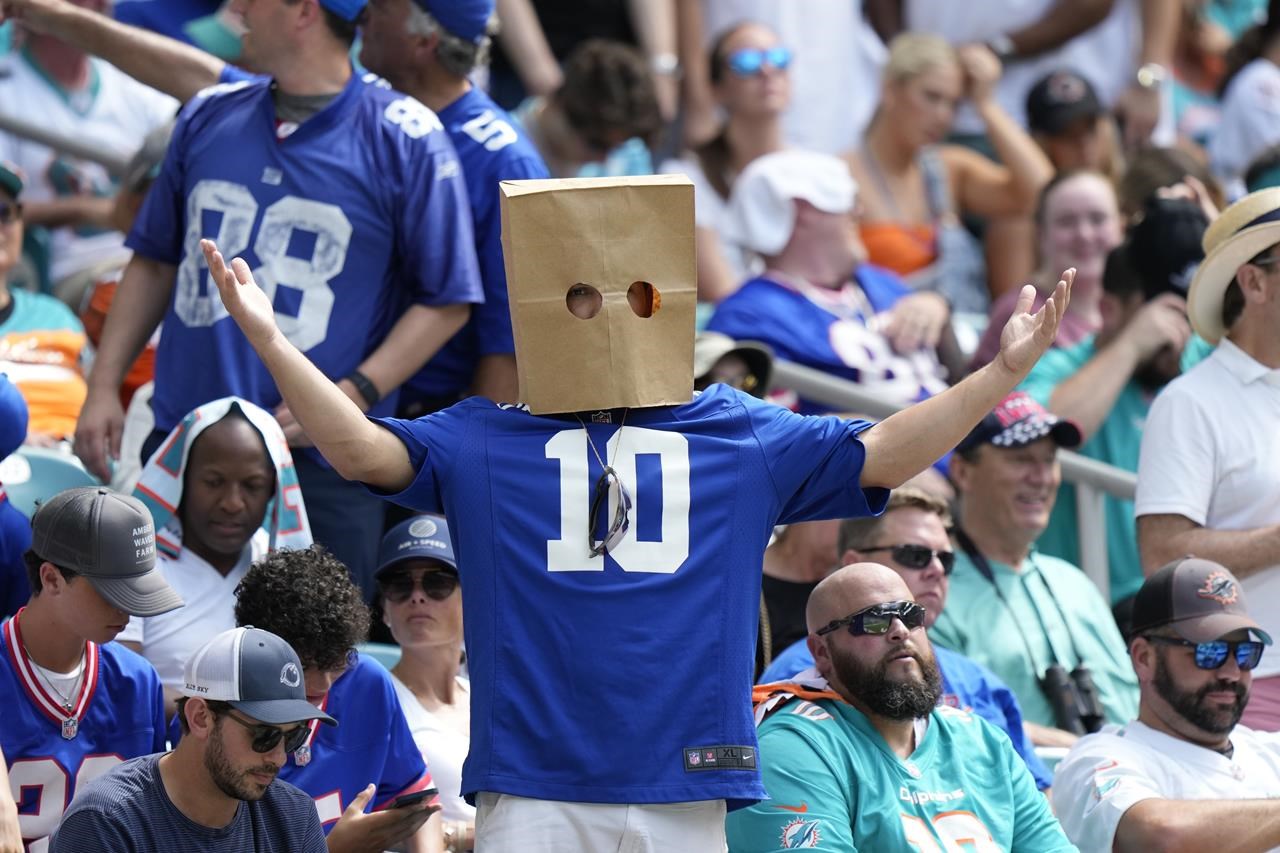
863 759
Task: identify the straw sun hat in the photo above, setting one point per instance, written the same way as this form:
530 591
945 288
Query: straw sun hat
1241 233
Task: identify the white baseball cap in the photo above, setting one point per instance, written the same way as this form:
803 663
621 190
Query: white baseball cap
761 213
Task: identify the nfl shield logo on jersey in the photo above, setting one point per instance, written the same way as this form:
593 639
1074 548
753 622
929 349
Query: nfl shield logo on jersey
694 757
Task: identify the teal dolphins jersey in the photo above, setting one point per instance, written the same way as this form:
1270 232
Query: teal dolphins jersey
836 785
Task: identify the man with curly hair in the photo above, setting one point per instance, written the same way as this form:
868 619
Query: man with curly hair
306 597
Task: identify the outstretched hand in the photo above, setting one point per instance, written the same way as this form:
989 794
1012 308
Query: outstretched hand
244 300
1027 336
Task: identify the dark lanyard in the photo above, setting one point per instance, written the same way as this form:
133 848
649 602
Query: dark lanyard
983 566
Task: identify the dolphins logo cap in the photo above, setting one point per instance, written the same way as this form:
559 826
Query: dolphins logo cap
110 539
255 672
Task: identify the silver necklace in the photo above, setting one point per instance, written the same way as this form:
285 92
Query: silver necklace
70 725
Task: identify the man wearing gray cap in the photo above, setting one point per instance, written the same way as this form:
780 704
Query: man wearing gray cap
1183 775
75 704
217 790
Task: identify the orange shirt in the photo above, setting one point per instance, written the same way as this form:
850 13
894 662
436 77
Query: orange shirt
902 248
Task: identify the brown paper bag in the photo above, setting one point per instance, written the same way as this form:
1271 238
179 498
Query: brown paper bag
607 233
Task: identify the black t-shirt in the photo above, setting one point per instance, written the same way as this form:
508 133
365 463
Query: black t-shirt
129 811
785 602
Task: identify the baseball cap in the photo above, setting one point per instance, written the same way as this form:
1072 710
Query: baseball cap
424 537
1199 598
1018 421
10 179
110 539
761 214
1165 245
347 10
463 18
710 347
255 672
1059 99
13 417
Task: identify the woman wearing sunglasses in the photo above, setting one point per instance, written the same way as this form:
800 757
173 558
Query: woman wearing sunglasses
752 88
421 603
915 188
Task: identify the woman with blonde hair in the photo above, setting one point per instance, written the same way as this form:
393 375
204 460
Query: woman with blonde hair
914 187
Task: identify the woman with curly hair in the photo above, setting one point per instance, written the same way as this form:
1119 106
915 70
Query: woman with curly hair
369 759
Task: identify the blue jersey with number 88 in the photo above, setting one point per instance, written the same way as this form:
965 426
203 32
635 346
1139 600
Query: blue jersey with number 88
626 677
345 219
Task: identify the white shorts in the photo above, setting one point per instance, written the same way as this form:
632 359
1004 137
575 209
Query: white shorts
510 824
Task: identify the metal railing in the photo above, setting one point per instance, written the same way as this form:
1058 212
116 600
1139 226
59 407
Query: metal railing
1093 479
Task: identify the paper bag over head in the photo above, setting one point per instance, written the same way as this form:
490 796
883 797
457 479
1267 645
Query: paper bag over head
601 239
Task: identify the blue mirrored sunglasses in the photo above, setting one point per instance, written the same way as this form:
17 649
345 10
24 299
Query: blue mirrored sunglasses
1213 654
750 60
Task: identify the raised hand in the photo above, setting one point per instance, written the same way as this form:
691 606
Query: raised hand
1027 336
244 300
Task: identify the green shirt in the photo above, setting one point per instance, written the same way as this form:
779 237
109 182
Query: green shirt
1116 442
836 785
998 633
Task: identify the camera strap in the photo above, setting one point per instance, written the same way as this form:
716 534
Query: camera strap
981 563
1062 614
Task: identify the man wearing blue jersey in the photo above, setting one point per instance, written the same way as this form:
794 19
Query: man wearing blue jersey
306 597
75 703
427 49
861 756
571 602
350 202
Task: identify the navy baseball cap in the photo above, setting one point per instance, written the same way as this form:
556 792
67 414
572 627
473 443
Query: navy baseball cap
463 18
1059 99
1018 421
423 537
255 672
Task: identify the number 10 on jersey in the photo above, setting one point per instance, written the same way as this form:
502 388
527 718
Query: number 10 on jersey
571 552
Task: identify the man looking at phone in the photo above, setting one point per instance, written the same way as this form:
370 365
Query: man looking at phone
244 706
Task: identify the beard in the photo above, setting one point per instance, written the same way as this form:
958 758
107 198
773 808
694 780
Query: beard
1159 370
234 783
890 698
1192 705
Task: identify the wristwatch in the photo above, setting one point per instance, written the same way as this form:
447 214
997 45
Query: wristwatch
665 64
1002 46
1151 75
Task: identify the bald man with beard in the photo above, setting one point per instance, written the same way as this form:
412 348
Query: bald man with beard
857 754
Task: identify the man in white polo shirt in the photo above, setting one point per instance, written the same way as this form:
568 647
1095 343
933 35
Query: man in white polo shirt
1209 470
1184 775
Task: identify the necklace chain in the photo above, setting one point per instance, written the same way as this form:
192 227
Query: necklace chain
67 703
592 444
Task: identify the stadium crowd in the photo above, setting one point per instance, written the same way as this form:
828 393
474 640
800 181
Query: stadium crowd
326 326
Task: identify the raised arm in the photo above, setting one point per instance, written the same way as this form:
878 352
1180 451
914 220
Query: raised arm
358 449
909 441
165 64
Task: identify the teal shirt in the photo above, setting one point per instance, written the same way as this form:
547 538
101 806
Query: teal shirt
1117 443
977 623
38 312
836 785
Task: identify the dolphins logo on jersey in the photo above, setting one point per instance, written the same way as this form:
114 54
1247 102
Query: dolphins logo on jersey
800 834
1220 587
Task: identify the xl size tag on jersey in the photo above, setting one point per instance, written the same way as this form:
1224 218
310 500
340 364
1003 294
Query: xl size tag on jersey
719 758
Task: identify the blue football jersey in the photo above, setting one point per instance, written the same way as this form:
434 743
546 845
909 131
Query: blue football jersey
492 147
346 219
623 678
371 743
118 714
15 539
837 332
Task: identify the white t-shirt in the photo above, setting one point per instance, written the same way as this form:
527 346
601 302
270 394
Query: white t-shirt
443 747
1249 123
835 75
1106 55
1106 773
170 639
1211 453
115 114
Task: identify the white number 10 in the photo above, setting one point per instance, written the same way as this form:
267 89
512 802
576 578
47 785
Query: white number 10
570 553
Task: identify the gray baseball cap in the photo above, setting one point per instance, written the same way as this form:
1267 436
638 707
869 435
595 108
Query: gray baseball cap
254 671
110 539
1198 598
